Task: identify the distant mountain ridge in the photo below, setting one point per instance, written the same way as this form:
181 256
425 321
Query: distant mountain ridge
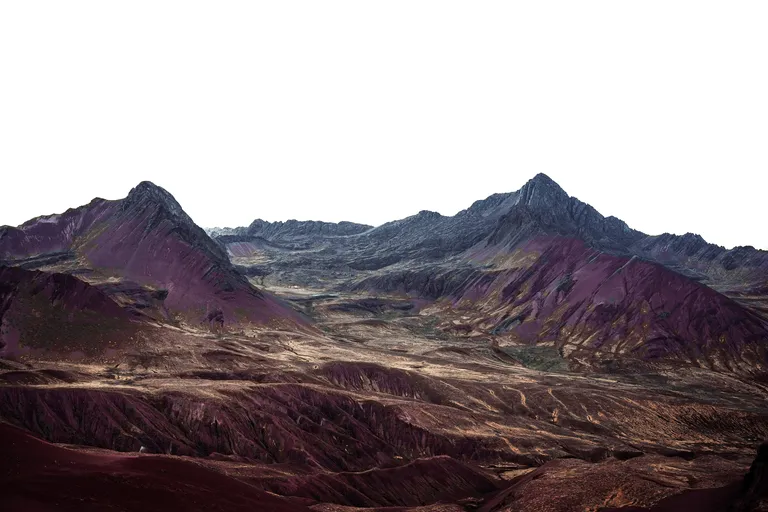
533 264
292 228
540 207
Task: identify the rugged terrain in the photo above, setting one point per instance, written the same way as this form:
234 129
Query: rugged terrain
143 244
527 354
538 267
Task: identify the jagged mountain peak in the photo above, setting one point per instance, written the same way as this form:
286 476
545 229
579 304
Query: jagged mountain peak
148 198
543 178
257 224
542 206
148 186
146 193
542 191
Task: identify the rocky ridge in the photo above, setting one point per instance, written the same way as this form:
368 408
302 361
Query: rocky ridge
542 267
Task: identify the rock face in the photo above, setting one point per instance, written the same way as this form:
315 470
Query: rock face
543 267
145 238
741 270
543 207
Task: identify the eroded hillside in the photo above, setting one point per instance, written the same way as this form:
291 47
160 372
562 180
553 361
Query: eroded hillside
523 355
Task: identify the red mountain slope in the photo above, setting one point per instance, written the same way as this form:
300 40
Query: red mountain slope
596 306
146 238
60 313
36 476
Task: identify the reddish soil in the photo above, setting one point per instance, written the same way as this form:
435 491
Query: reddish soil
148 239
36 476
514 357
59 313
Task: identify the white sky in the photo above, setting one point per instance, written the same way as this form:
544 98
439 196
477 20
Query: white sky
655 112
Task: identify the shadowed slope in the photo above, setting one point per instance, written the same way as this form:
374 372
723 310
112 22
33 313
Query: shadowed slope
39 477
748 495
422 482
42 312
613 486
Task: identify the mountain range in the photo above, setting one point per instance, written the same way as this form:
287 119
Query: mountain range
543 267
525 354
535 265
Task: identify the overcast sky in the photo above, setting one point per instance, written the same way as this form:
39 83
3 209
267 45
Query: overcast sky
655 112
